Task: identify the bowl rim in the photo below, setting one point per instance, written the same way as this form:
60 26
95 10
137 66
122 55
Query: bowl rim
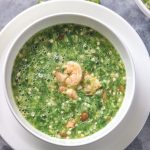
47 138
143 8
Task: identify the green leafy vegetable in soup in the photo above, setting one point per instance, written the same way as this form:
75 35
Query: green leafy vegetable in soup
147 3
68 81
95 1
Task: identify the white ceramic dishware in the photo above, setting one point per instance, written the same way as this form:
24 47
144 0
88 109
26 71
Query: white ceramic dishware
115 138
76 19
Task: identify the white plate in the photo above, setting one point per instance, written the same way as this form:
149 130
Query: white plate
19 138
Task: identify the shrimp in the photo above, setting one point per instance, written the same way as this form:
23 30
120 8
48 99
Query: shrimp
62 89
91 84
71 123
69 79
60 76
71 93
74 71
71 76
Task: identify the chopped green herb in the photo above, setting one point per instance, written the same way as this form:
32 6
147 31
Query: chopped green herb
95 1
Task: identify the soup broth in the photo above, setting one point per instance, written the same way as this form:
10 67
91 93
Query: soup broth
68 81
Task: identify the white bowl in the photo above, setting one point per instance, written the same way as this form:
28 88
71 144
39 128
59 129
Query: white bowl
77 19
143 8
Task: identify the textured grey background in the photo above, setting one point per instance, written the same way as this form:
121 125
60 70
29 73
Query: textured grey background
128 10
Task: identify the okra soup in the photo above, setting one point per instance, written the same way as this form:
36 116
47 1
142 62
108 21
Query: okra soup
68 81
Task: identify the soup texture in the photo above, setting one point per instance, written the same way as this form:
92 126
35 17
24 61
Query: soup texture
147 3
68 81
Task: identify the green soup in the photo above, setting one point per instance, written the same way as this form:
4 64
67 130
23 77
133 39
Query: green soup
89 95
147 3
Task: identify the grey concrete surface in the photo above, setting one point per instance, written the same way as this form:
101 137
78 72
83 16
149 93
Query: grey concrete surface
128 10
